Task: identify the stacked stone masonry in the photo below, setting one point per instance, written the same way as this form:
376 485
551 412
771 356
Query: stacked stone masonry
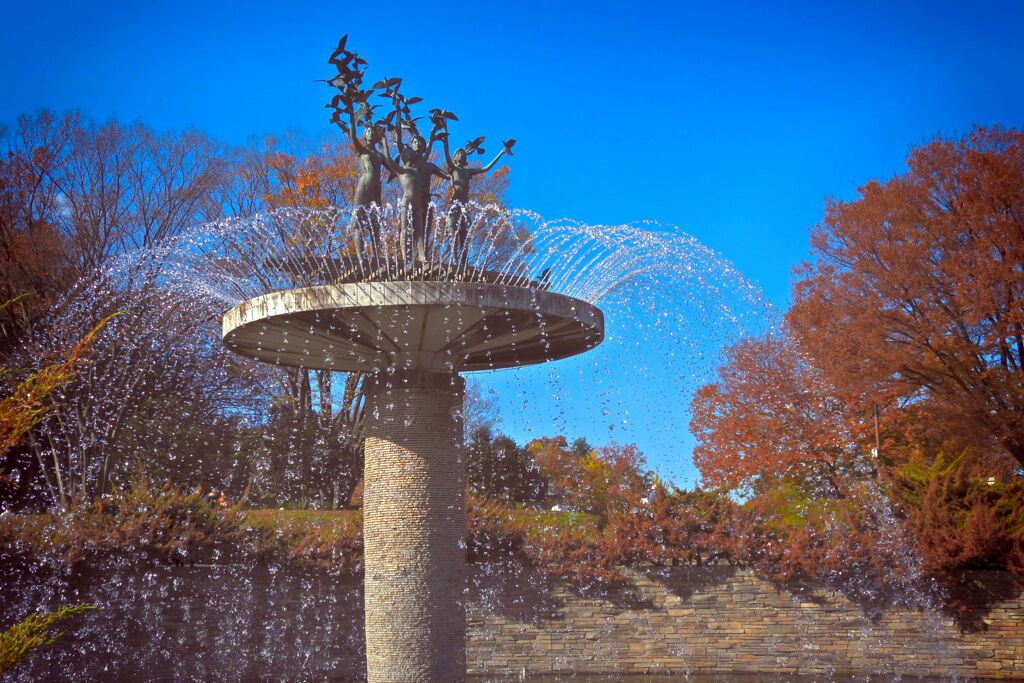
414 521
725 620
250 622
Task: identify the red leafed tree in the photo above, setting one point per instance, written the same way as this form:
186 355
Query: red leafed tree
767 417
559 462
591 479
917 288
610 477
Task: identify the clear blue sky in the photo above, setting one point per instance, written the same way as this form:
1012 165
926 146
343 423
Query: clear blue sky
731 120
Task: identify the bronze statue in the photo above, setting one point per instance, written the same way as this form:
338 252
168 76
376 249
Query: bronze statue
414 172
412 167
352 102
368 192
370 160
461 175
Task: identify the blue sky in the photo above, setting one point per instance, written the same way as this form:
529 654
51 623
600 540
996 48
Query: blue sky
733 121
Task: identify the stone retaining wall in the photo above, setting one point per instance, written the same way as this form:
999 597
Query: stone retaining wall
723 620
244 622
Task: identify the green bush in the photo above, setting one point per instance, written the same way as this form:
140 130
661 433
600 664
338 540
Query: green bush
32 632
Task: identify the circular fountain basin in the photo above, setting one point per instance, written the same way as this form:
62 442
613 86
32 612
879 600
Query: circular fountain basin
435 326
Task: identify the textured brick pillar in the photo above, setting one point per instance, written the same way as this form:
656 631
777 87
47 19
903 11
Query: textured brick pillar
414 522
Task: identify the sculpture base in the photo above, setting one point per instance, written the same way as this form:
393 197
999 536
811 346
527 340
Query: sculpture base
414 524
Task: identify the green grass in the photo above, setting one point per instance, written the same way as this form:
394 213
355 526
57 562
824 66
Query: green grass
345 523
327 524
538 522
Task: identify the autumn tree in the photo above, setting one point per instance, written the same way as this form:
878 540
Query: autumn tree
101 188
499 469
915 295
77 194
592 479
912 305
965 511
559 463
767 417
611 477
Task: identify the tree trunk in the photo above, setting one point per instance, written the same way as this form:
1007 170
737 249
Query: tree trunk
1015 447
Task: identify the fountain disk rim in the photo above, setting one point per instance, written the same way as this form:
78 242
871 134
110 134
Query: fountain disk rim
415 325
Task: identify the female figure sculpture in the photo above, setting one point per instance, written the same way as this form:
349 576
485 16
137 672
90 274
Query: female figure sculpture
367 192
461 175
370 161
414 172
412 165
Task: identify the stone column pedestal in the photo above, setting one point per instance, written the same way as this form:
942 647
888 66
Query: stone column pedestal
414 513
414 524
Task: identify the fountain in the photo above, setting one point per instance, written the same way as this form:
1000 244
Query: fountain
413 338
411 325
281 293
409 307
409 296
512 291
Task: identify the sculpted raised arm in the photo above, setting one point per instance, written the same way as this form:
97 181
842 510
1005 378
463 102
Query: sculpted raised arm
356 142
399 145
489 166
447 156
431 139
385 155
440 172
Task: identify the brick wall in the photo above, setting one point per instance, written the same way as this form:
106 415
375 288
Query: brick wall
725 620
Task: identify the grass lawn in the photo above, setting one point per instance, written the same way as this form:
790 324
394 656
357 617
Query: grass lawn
320 526
544 522
345 523
327 524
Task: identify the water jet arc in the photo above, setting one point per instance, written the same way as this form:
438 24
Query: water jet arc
413 338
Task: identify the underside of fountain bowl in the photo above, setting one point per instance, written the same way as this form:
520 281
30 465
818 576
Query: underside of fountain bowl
414 325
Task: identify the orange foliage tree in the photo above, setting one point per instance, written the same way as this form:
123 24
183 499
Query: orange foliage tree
914 304
767 417
558 463
917 292
962 515
612 477
588 478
